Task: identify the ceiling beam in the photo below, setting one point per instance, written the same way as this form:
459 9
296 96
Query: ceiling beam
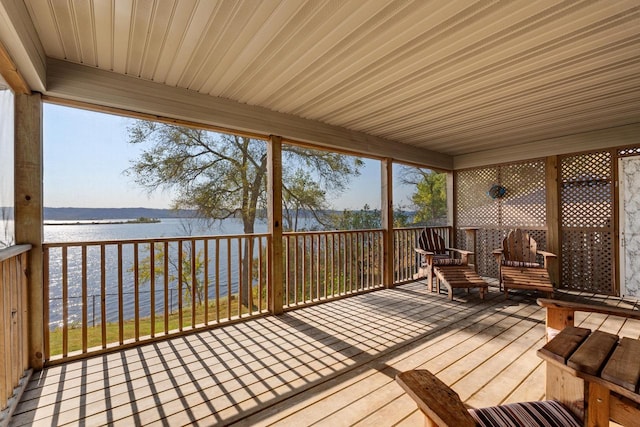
75 82
22 46
589 141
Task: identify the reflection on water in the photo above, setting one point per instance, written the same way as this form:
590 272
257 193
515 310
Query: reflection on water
124 278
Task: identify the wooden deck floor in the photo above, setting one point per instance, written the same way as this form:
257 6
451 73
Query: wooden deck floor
331 364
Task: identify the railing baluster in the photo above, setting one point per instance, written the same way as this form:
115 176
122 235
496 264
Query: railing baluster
317 270
47 308
84 299
167 303
103 297
228 279
65 297
120 297
287 254
260 274
250 274
136 292
240 277
194 283
206 280
217 280
152 287
180 259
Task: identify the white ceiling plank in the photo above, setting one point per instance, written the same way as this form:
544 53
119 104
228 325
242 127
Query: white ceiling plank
173 40
122 15
140 23
83 21
103 13
451 77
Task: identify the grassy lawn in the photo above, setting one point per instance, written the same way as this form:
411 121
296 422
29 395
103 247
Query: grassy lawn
94 334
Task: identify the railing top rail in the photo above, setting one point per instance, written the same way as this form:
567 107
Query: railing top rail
13 251
306 233
151 240
420 227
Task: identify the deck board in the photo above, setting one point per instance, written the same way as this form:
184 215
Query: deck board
329 364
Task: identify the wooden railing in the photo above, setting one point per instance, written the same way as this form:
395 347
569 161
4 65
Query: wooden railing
14 344
113 294
405 260
325 265
104 295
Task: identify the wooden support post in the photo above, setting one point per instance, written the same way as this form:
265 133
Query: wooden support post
471 235
553 217
386 175
598 406
274 190
29 213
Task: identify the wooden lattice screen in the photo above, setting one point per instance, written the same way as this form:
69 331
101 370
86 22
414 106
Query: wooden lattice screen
523 206
586 218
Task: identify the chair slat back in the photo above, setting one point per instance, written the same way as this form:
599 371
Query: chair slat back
430 241
519 246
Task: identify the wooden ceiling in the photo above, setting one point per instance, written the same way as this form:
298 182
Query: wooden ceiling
453 77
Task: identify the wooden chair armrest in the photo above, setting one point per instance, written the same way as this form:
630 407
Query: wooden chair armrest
439 403
547 254
552 304
460 251
423 252
464 255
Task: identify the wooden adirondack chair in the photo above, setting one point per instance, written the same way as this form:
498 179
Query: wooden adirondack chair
442 407
433 252
574 399
518 265
437 259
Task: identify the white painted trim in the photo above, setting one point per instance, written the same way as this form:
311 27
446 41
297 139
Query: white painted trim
20 39
621 225
81 83
595 140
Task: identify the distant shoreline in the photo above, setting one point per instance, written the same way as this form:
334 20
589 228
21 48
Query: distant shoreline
106 222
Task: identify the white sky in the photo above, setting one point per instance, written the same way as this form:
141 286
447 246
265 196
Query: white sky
86 153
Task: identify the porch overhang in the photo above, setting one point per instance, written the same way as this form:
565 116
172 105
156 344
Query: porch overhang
446 85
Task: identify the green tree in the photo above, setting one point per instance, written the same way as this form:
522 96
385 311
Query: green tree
430 196
192 290
367 218
301 196
222 176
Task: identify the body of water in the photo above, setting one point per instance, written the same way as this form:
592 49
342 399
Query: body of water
90 231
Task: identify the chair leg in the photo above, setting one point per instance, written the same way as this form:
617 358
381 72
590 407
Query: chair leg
430 278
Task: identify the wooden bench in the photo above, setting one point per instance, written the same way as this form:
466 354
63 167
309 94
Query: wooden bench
609 366
578 378
459 276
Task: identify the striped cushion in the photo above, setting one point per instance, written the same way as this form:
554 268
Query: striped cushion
509 263
447 261
547 413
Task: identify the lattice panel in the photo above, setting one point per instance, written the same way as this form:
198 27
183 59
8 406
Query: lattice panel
586 196
525 202
587 261
523 206
489 239
629 151
474 206
587 190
